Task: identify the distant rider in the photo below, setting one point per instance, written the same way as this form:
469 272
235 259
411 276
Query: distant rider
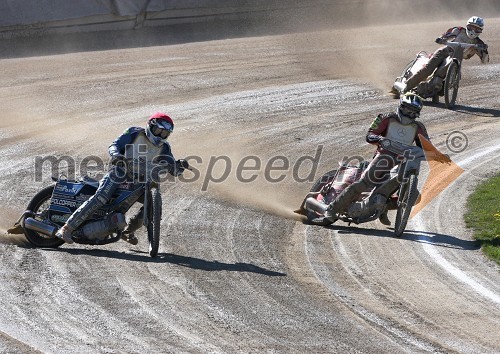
150 143
468 34
400 126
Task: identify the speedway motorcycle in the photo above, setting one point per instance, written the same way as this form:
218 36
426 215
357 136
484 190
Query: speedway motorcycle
49 209
443 82
399 191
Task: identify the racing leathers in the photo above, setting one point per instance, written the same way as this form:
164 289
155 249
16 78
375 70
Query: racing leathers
132 145
454 34
385 126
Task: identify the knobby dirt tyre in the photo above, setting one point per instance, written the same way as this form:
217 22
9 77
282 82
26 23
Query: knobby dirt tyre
409 195
451 82
154 222
39 204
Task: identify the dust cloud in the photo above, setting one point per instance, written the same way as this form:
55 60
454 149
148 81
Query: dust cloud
7 219
221 177
363 38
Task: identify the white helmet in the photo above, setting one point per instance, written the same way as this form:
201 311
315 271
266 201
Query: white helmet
474 27
409 107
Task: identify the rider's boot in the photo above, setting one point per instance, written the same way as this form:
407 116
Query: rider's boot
384 219
129 237
133 225
64 233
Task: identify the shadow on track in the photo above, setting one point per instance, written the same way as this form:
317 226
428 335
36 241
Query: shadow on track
476 111
197 263
435 239
185 261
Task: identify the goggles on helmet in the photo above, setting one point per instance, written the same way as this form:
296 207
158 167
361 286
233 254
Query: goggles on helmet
475 29
409 111
161 129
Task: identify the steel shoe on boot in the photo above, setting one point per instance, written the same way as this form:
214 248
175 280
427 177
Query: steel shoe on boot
384 219
64 233
130 238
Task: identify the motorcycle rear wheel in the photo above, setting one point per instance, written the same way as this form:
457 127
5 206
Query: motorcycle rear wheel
313 217
407 199
451 82
154 222
39 205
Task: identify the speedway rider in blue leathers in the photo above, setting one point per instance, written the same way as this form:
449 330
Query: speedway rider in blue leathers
150 144
468 34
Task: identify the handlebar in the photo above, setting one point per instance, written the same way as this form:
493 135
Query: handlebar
461 45
413 151
402 149
142 166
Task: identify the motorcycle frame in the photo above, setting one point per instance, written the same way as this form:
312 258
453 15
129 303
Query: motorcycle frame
121 201
441 70
412 156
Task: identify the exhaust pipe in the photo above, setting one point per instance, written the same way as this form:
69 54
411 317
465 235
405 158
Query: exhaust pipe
399 86
316 205
38 226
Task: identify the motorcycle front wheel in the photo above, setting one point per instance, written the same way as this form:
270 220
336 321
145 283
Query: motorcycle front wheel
451 82
313 217
39 205
154 222
407 198
406 72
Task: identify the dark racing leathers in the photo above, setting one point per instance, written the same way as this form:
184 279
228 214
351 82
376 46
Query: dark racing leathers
384 126
131 144
455 34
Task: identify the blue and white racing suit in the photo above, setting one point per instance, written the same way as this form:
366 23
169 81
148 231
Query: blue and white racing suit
132 145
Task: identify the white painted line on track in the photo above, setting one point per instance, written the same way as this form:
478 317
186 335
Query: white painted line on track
439 259
450 268
464 162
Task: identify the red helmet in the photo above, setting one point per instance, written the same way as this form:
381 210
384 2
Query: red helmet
161 116
159 128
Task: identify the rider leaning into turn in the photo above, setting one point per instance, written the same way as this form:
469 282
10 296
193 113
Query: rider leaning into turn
400 126
468 34
151 143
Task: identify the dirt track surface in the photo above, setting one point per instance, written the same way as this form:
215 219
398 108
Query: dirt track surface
236 272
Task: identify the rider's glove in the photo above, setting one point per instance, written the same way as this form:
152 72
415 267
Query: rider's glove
384 142
485 58
115 159
377 138
440 40
373 138
445 158
482 46
180 166
183 163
